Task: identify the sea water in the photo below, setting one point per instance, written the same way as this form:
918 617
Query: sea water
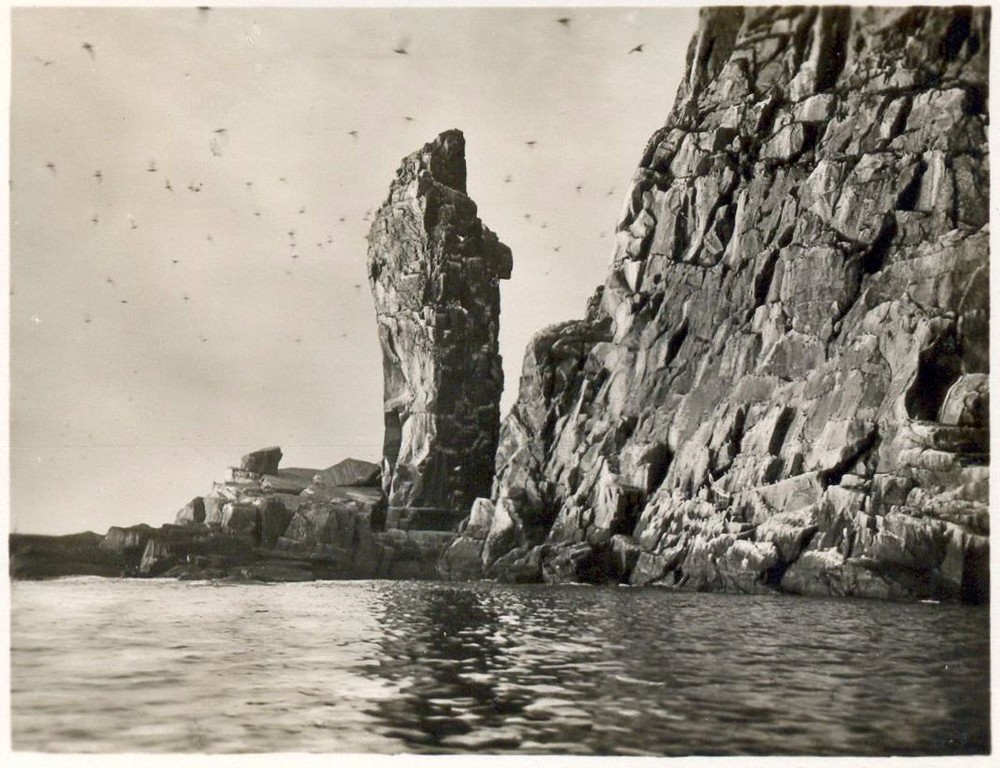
109 665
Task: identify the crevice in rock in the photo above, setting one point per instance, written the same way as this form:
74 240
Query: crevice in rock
781 427
939 367
908 196
835 474
676 340
762 280
874 258
833 46
956 35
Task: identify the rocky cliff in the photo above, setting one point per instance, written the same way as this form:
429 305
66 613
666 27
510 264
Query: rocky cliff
783 382
434 271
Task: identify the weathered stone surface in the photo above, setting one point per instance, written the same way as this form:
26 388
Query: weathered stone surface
349 472
434 271
783 382
288 480
262 462
123 540
192 512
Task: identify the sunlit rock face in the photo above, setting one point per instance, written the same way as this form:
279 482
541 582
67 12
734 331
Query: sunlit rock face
783 382
434 271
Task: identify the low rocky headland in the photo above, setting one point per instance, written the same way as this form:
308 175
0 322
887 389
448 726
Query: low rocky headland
782 385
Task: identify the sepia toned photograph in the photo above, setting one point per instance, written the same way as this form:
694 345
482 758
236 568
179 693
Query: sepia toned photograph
540 381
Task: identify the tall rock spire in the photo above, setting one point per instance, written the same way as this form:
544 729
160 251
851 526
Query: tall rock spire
434 271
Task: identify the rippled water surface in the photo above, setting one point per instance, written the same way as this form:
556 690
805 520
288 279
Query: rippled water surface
104 665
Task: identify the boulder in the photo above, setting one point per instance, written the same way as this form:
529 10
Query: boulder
350 472
262 462
192 513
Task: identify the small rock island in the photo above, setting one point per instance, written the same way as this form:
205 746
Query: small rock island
782 385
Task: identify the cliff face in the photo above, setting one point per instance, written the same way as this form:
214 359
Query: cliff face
434 271
783 382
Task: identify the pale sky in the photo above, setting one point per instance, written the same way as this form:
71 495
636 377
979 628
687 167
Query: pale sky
121 412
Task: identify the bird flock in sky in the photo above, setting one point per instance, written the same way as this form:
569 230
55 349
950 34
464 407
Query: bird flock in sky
218 143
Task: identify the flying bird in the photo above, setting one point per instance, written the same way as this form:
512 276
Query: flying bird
94 219
531 143
152 167
186 297
302 209
86 318
45 62
175 261
257 214
221 130
89 49
611 191
407 118
564 21
282 179
578 188
51 166
637 49
353 134
401 46
131 223
508 179
556 249
249 184
98 175
109 280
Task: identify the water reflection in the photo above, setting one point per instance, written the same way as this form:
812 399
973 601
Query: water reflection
614 671
392 667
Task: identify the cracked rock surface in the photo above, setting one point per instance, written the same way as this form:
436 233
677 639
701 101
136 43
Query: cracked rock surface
783 382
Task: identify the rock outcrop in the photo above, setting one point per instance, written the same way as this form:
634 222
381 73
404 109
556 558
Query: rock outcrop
273 524
434 271
783 382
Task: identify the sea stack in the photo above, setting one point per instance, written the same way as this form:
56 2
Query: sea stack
434 271
783 382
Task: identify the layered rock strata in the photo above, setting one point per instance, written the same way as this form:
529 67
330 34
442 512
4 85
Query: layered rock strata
783 382
434 271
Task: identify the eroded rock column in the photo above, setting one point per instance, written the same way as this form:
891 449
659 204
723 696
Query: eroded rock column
434 271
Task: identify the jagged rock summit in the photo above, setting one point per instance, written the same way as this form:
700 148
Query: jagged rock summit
783 382
434 271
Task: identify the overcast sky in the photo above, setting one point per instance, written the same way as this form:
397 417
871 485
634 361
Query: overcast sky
158 334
